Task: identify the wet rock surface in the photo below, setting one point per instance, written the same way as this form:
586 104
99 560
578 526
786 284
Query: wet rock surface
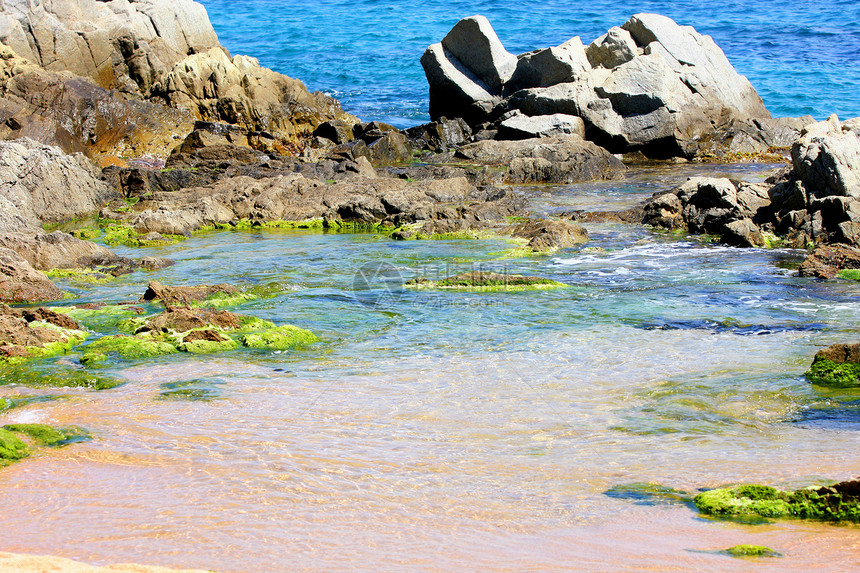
179 295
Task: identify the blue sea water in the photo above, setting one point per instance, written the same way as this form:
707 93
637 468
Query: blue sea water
803 56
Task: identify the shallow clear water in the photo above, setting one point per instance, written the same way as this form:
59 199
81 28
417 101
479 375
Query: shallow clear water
802 56
443 430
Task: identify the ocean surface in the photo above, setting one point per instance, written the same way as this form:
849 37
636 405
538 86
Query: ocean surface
802 56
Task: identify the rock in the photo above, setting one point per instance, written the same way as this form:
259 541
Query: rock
57 250
295 199
522 126
717 206
439 136
553 159
839 502
25 338
651 86
48 186
826 159
739 138
549 66
473 43
20 282
548 236
183 319
118 44
826 261
612 49
76 115
837 366
336 130
173 295
485 281
215 87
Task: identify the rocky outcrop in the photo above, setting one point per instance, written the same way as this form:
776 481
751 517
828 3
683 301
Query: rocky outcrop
553 160
173 295
355 201
837 365
548 236
47 186
826 261
650 85
119 44
128 78
720 207
216 87
20 282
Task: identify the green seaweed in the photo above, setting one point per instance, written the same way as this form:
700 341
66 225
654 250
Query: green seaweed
11 402
86 276
120 234
86 233
849 274
824 372
128 347
55 376
106 319
12 448
486 282
45 435
208 346
830 503
279 338
750 551
190 390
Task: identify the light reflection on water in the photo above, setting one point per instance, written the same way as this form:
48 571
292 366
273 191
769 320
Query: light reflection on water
429 430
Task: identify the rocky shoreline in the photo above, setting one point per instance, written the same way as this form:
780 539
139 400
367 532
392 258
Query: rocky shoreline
130 122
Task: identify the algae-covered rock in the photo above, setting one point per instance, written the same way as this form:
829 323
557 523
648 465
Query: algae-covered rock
128 347
839 502
45 435
190 390
649 494
173 295
279 338
55 376
485 281
207 341
37 333
12 448
837 366
751 551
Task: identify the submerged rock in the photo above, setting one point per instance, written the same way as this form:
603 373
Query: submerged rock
839 502
751 551
485 281
547 236
837 366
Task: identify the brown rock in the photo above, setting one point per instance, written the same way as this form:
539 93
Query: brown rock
51 316
173 295
546 235
207 335
20 282
840 353
183 319
826 261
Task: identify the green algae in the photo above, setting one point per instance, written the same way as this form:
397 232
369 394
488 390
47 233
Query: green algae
831 503
45 435
208 346
642 493
55 376
750 551
824 372
105 319
86 233
12 448
486 282
12 402
279 338
128 347
849 274
85 276
119 234
190 390
72 339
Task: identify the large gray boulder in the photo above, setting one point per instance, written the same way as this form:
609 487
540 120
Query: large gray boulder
120 44
649 85
826 159
467 70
